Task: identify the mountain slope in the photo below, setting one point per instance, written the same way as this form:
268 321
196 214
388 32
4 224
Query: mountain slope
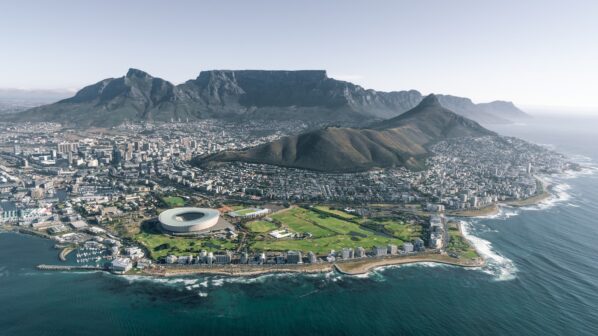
136 96
400 141
308 95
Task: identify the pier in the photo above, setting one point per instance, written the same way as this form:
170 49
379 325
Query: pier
69 268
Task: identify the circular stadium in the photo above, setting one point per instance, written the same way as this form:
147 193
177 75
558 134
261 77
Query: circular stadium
188 220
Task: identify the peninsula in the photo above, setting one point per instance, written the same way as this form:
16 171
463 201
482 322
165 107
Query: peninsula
166 194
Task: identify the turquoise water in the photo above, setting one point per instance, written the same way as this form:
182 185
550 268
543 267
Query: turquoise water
542 279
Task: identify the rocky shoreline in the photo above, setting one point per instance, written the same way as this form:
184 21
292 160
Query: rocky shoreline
494 209
352 267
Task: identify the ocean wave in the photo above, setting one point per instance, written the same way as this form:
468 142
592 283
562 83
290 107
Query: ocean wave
582 159
157 280
500 267
262 277
217 282
361 276
504 212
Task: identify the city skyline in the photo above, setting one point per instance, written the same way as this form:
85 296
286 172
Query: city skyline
508 51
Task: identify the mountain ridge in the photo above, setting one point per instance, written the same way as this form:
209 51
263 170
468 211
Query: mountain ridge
258 94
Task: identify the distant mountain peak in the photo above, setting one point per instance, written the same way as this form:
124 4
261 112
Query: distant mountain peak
136 73
430 100
308 95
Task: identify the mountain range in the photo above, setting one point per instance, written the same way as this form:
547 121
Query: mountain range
399 142
308 95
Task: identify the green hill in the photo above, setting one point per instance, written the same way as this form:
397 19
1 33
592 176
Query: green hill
400 141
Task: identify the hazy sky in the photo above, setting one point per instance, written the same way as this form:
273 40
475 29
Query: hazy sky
530 52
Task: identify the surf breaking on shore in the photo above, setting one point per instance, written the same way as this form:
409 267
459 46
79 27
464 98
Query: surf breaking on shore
498 265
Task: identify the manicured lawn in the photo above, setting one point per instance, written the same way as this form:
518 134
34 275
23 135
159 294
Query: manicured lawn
298 220
261 226
161 245
329 233
336 212
174 201
401 230
324 245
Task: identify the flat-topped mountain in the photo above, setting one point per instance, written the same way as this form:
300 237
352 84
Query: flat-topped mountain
400 141
308 95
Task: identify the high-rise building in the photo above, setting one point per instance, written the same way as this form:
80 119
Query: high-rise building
418 244
223 258
117 156
210 258
262 258
359 252
244 258
312 257
67 147
347 253
380 251
294 257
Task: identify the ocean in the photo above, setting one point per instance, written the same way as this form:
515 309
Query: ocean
541 279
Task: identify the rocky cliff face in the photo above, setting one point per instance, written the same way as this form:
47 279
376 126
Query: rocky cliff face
304 95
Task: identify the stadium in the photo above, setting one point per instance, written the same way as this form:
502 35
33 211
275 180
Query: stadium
190 220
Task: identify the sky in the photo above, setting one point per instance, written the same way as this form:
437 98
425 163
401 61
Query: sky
535 53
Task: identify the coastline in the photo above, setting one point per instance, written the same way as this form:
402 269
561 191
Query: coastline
365 266
352 267
545 194
489 210
494 209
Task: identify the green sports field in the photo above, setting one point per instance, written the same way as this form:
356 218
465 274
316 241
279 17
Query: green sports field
261 226
174 201
328 233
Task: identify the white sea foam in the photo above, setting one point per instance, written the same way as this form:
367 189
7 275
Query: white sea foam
500 266
361 276
504 212
497 265
258 278
217 282
185 282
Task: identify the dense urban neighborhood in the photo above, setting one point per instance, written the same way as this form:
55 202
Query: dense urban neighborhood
98 192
